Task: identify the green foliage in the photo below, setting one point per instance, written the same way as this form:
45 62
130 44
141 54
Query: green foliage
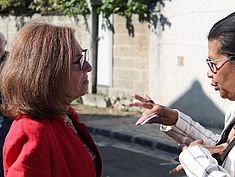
44 7
4 4
143 8
73 7
15 8
79 100
61 7
127 8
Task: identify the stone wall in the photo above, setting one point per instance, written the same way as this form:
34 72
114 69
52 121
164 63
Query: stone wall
9 29
130 58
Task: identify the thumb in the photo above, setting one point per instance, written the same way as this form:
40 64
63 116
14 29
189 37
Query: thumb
196 142
217 149
177 169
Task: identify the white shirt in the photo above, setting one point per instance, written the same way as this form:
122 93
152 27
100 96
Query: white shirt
196 160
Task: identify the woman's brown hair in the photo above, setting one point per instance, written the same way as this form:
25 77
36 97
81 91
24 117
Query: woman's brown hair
35 77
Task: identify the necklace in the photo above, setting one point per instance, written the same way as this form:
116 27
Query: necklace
69 123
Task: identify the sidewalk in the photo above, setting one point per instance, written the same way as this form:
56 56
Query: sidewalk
123 128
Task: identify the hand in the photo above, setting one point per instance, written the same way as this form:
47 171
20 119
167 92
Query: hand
165 115
212 149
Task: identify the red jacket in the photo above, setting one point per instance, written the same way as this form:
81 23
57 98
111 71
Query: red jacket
48 148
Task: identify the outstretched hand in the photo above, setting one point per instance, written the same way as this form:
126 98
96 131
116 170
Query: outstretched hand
160 114
212 149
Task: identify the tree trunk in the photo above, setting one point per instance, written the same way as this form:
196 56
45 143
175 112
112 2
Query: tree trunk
94 47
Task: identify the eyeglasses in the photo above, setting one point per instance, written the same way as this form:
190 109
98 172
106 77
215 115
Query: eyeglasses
82 60
212 64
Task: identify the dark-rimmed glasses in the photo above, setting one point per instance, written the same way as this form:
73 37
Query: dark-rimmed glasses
212 63
83 58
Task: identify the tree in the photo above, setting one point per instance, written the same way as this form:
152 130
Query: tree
127 8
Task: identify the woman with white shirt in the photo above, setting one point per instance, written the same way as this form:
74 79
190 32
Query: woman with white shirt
205 153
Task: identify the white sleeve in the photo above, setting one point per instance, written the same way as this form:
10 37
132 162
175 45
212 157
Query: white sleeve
230 115
186 130
197 161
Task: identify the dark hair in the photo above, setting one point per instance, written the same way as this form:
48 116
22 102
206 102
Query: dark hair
34 78
224 32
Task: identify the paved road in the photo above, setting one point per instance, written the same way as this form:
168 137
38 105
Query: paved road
121 160
123 128
125 160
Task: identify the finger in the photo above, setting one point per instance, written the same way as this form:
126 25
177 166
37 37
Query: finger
217 149
141 105
177 169
147 118
196 142
147 97
140 98
137 104
151 101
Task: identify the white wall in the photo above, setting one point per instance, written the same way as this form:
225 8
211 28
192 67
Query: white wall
178 70
8 27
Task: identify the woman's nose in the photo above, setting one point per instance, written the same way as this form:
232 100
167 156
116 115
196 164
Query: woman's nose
87 67
209 73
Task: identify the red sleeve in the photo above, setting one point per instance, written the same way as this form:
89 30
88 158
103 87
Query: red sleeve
26 150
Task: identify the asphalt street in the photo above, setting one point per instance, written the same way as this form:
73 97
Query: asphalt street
125 160
132 151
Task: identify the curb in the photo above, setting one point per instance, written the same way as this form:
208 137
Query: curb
136 140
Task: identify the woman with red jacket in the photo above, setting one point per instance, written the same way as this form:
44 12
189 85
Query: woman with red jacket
46 70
